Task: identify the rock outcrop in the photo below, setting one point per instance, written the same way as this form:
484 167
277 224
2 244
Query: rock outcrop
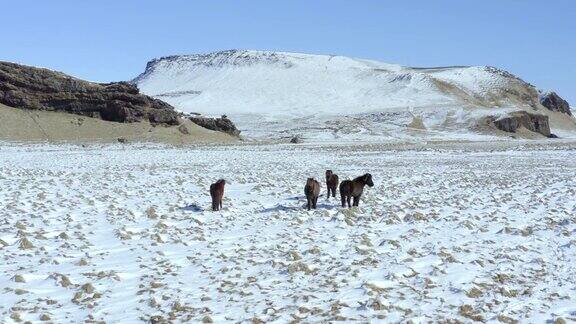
222 124
296 139
515 120
554 102
28 87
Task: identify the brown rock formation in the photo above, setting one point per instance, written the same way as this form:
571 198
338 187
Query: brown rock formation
554 102
28 87
222 124
513 121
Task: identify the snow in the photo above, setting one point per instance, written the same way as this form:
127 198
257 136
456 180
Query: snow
272 94
121 233
477 80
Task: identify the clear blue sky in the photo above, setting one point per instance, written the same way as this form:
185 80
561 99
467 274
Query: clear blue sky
112 40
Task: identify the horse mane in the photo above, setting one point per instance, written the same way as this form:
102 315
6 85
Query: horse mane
361 178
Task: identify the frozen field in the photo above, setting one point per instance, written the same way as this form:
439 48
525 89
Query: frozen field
123 234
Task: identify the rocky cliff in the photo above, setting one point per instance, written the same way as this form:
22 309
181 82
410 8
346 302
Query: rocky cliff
28 87
222 124
553 102
513 121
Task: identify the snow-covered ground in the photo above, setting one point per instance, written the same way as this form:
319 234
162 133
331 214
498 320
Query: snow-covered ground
448 232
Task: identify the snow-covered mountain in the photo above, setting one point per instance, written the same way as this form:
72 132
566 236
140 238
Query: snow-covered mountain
282 94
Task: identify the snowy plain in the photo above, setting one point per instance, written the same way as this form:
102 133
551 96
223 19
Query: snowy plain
122 233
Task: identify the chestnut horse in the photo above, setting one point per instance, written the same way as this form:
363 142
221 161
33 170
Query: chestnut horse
312 191
354 188
331 183
217 192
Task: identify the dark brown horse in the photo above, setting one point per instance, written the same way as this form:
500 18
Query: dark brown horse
331 183
312 191
217 192
354 188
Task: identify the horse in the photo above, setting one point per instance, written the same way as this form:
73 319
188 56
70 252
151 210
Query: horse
331 183
217 192
354 188
312 191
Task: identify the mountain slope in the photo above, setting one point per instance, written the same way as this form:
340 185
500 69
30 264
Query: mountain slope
277 94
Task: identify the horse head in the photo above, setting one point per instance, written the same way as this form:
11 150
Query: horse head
367 179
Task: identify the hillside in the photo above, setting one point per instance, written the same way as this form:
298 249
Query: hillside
24 125
38 104
334 97
35 88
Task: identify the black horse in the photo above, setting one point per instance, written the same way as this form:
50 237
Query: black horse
354 188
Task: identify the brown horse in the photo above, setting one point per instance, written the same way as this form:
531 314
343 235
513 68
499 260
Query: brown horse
312 191
217 192
331 183
354 188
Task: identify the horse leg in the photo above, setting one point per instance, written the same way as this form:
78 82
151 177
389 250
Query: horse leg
315 201
343 200
356 200
309 203
348 201
334 191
